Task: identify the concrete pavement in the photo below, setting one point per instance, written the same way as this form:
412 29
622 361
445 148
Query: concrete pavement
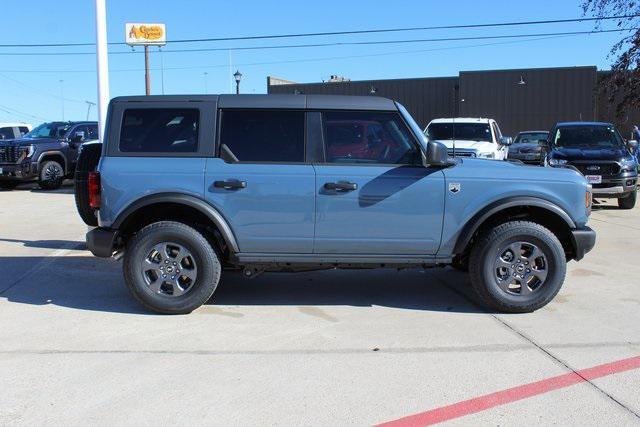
325 348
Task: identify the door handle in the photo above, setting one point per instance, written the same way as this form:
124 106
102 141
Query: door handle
230 184
341 186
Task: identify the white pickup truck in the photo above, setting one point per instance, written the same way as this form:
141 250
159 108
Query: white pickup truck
470 137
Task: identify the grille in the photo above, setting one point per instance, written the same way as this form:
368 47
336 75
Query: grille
462 153
9 154
603 168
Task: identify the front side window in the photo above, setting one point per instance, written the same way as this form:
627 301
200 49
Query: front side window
159 130
459 131
49 130
23 130
92 132
367 137
263 136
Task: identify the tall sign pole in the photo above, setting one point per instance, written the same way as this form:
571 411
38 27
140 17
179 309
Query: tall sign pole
102 65
147 77
137 34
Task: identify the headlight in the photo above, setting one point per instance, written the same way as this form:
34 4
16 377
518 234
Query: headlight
27 151
628 164
490 155
557 162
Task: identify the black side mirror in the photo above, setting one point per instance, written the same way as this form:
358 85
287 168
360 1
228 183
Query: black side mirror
437 154
77 137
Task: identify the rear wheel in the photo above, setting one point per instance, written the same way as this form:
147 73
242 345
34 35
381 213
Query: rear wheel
517 267
171 268
51 175
628 202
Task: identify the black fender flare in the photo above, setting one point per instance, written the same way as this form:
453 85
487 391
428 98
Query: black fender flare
476 221
186 200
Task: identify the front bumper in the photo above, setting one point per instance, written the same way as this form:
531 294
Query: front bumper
25 171
584 239
615 187
102 241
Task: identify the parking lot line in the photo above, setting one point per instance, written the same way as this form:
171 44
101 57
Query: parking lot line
503 397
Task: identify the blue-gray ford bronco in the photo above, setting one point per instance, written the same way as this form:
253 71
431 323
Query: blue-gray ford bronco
187 187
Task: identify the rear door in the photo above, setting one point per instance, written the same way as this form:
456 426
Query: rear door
261 182
374 196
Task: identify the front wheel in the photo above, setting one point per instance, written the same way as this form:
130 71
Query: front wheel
51 175
517 267
171 268
628 202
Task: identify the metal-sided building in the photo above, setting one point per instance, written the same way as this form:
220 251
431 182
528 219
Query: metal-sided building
522 99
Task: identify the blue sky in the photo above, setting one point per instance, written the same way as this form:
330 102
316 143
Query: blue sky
30 85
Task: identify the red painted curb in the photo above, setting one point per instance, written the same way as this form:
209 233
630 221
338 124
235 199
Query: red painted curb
509 395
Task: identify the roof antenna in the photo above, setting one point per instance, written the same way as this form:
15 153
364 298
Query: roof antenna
453 134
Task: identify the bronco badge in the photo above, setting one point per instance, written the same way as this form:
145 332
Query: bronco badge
454 187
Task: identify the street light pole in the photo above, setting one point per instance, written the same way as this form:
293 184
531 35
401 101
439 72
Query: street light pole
89 104
238 76
102 65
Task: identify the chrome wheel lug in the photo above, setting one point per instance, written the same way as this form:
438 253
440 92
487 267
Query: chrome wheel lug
164 276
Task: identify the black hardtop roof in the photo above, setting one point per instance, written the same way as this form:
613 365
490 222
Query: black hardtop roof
291 101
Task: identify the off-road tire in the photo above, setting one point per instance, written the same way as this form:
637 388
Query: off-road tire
488 248
208 267
628 202
50 184
87 162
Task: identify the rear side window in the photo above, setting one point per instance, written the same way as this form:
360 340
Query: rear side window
6 133
159 130
367 137
263 136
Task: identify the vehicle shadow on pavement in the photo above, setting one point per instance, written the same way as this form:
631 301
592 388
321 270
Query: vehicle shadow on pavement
89 283
49 244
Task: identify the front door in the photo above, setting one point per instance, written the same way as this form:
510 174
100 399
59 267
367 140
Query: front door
373 194
260 182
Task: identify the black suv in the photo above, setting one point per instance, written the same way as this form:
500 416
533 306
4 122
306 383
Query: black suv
47 154
598 151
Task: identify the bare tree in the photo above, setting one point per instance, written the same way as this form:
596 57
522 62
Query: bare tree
622 85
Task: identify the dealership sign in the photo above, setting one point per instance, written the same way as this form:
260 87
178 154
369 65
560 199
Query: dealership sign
138 34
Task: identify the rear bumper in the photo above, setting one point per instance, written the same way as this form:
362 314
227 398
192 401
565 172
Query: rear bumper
102 241
584 239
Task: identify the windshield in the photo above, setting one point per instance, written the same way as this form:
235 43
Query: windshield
530 138
49 130
591 136
459 131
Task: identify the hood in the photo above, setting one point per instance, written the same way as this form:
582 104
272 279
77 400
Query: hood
589 153
468 145
529 147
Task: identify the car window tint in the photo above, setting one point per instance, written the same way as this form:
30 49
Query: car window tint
264 136
159 130
23 130
92 132
367 137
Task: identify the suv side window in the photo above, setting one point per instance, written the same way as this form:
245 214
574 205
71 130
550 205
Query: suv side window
367 137
264 136
6 133
159 130
23 130
92 132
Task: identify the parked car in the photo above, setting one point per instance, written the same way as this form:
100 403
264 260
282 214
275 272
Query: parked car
190 186
529 147
470 137
13 130
47 154
598 151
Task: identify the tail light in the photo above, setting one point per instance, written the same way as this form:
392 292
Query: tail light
93 186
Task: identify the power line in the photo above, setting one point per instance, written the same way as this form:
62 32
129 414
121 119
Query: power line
352 32
14 112
312 45
39 91
328 58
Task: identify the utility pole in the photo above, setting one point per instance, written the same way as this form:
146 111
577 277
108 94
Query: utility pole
102 65
147 78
